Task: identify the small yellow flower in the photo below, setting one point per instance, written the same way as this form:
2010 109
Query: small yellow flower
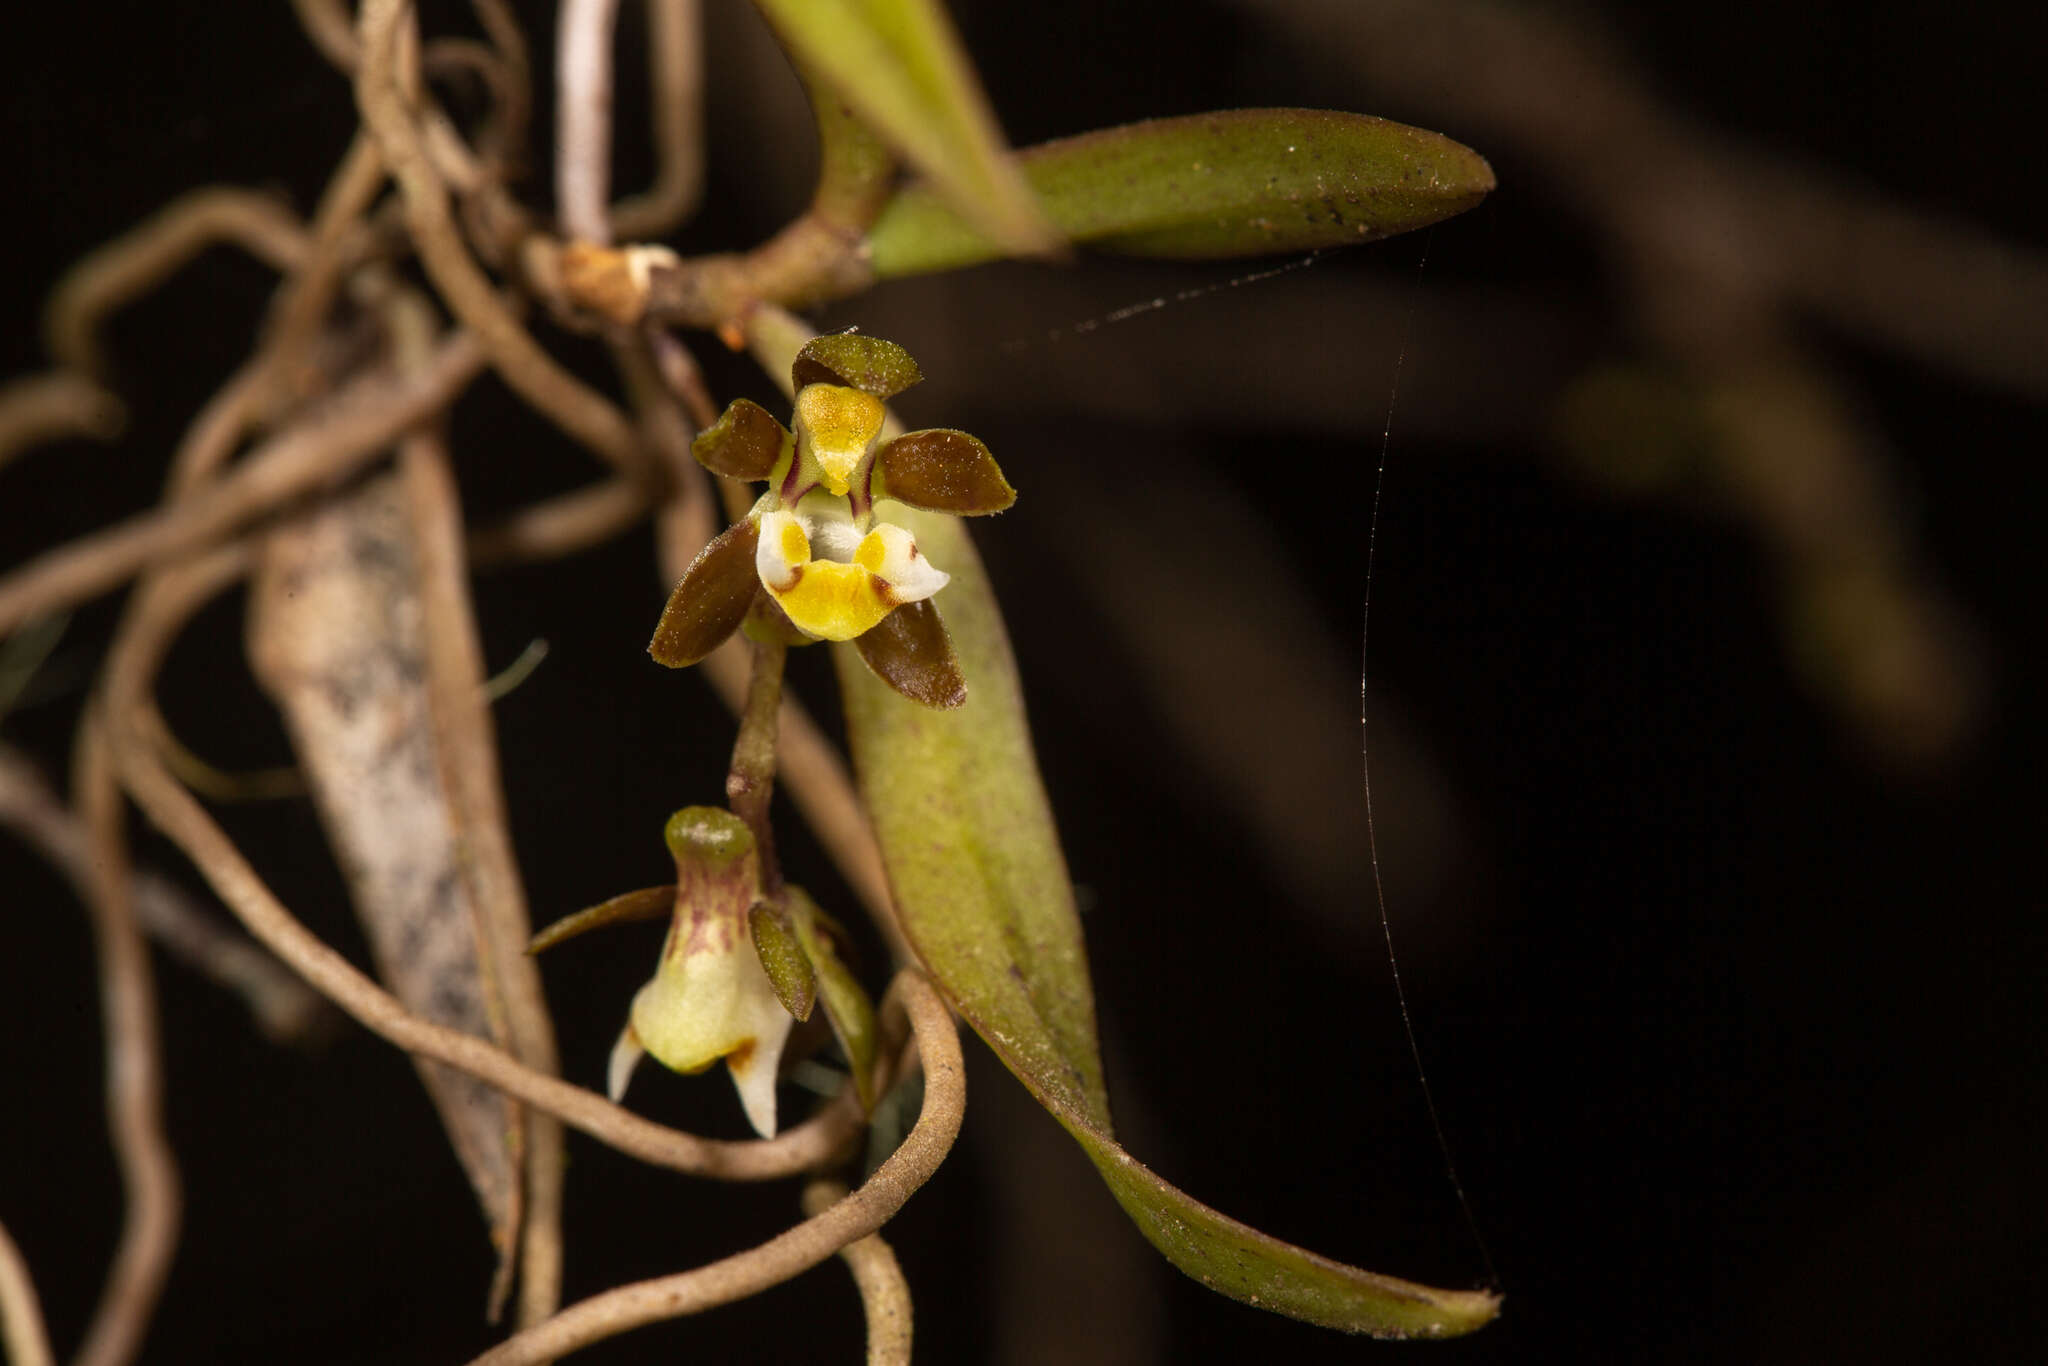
813 543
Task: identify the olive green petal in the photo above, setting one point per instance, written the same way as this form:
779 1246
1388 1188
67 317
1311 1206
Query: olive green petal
744 443
847 1006
869 364
783 959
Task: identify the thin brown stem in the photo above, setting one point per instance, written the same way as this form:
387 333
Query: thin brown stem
750 782
230 415
467 752
330 29
679 372
560 526
168 601
583 118
55 406
283 1006
675 63
21 1313
815 257
884 1293
151 252
789 1254
308 296
515 111
574 406
344 434
134 1078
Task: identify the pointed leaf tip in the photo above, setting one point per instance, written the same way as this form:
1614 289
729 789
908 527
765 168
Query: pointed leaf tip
983 896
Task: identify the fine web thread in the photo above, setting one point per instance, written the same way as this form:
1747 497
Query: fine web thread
1144 306
1372 537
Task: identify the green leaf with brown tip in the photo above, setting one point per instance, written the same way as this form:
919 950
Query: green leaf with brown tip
847 1007
900 66
983 897
869 364
784 960
911 652
649 903
744 443
1237 1260
1241 182
711 599
941 470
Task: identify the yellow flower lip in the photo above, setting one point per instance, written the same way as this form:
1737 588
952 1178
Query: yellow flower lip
853 584
838 427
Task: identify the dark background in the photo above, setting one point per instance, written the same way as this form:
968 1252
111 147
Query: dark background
1732 1013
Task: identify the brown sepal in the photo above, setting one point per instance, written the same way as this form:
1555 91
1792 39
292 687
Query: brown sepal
942 470
649 903
744 443
911 652
711 599
869 364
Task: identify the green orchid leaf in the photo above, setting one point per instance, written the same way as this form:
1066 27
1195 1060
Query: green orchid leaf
899 64
1237 1260
1241 182
981 886
982 895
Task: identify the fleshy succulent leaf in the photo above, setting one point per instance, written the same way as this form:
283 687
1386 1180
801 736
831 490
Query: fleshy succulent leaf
941 470
1241 182
973 856
911 652
744 443
711 599
784 960
649 903
982 894
869 364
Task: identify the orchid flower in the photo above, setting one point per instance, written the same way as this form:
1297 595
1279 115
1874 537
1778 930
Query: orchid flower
814 544
710 1000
